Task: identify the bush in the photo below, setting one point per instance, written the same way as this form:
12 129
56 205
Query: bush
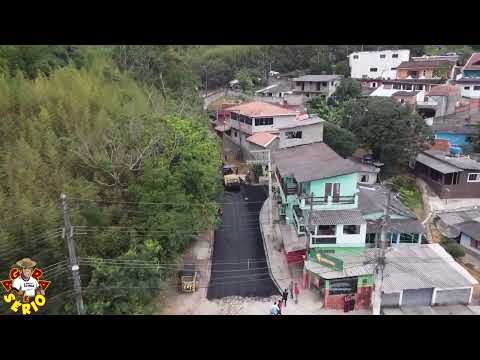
454 249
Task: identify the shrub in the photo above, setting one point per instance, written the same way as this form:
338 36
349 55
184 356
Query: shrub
454 249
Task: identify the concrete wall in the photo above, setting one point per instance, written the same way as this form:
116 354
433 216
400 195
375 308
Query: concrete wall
371 59
371 177
310 134
311 87
391 300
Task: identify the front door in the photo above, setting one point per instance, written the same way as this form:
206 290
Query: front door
336 192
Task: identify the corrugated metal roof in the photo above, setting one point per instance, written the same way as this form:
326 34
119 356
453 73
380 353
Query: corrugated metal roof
436 164
471 228
422 266
397 225
424 64
336 217
349 269
372 199
461 162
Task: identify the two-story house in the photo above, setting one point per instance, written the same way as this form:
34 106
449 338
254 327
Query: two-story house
469 81
449 174
426 69
261 125
316 85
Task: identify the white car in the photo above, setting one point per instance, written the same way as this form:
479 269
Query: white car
273 73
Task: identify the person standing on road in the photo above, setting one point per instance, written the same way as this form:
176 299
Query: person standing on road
296 291
290 288
285 297
274 309
279 305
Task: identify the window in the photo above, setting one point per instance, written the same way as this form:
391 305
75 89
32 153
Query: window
332 83
326 229
419 87
234 116
355 57
263 121
394 56
364 179
402 101
473 177
408 87
318 86
325 240
374 84
382 56
364 76
293 134
351 229
235 133
408 238
466 88
228 132
393 68
324 83
476 88
397 86
248 120
373 69
451 179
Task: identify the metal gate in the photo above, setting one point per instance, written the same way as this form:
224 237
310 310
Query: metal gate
417 297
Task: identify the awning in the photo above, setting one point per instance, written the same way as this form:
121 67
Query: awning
222 128
435 164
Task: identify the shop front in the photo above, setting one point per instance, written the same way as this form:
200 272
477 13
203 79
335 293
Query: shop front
344 282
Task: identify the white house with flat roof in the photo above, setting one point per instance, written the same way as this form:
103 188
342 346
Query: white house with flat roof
377 64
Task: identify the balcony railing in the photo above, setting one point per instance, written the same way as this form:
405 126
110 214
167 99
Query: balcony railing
324 200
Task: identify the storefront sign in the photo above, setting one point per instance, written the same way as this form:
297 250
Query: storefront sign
343 286
329 261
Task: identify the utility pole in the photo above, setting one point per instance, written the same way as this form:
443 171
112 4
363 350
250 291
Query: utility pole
77 284
309 224
206 83
380 263
270 195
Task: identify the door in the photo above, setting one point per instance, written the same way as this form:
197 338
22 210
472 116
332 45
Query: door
328 191
417 297
336 192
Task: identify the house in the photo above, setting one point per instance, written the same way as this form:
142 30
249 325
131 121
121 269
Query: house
449 175
406 97
376 64
443 99
316 85
470 235
458 128
470 79
280 93
317 185
424 275
427 69
367 174
258 125
404 227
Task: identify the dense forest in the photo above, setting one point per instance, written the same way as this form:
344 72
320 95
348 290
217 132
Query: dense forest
121 130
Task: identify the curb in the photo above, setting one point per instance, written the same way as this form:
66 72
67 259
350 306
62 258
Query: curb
265 249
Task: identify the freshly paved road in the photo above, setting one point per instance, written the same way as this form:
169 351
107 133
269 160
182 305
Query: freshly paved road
239 267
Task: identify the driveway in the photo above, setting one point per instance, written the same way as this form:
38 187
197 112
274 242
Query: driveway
239 267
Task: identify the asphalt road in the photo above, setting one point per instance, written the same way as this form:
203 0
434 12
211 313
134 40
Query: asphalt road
239 267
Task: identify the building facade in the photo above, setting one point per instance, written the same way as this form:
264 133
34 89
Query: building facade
316 85
376 64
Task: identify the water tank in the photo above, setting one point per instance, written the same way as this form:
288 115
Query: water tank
455 150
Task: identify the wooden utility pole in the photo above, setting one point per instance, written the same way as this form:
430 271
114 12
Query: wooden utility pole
77 284
309 224
380 263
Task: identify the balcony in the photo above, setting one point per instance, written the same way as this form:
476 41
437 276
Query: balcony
326 200
290 189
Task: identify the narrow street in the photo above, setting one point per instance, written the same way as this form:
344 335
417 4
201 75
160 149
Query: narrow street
239 267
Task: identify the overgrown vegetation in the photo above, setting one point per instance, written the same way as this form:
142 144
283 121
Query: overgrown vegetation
409 191
116 145
454 249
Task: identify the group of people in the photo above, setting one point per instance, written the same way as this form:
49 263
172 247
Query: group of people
278 305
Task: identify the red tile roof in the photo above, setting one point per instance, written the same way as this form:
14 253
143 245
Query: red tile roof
425 64
263 139
260 108
444 90
473 63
